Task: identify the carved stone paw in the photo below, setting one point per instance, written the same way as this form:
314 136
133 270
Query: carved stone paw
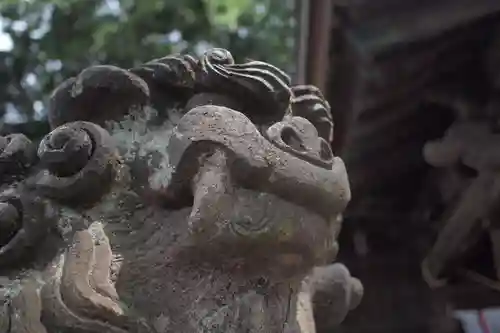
334 293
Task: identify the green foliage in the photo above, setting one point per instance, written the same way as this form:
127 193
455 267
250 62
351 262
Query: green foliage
225 13
55 39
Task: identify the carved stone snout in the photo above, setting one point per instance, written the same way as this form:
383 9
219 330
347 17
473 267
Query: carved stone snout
237 222
250 196
258 164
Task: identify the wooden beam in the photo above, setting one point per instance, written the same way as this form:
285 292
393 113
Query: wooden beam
318 58
302 14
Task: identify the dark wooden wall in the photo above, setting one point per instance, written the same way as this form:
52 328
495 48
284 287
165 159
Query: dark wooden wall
387 59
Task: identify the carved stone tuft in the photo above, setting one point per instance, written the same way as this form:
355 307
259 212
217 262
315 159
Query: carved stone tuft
97 94
171 78
308 102
261 90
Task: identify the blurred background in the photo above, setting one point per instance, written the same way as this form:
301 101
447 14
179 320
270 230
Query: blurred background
43 42
399 75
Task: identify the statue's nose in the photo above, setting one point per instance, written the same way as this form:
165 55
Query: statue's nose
297 136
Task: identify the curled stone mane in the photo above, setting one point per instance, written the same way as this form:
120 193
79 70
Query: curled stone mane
183 195
266 87
169 78
308 102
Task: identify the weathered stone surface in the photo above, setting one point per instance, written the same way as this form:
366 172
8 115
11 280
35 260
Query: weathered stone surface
35 217
26 310
262 90
212 222
98 93
81 168
83 289
259 161
335 292
16 155
308 102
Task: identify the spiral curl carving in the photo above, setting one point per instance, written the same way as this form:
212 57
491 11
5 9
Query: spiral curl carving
260 90
26 219
80 161
65 151
16 154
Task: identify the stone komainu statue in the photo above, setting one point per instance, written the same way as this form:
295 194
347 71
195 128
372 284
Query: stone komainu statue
186 195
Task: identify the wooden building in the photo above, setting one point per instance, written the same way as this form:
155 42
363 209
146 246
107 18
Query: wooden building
397 73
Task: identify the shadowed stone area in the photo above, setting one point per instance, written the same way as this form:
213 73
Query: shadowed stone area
185 195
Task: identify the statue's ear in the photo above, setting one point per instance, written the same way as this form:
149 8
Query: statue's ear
97 94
